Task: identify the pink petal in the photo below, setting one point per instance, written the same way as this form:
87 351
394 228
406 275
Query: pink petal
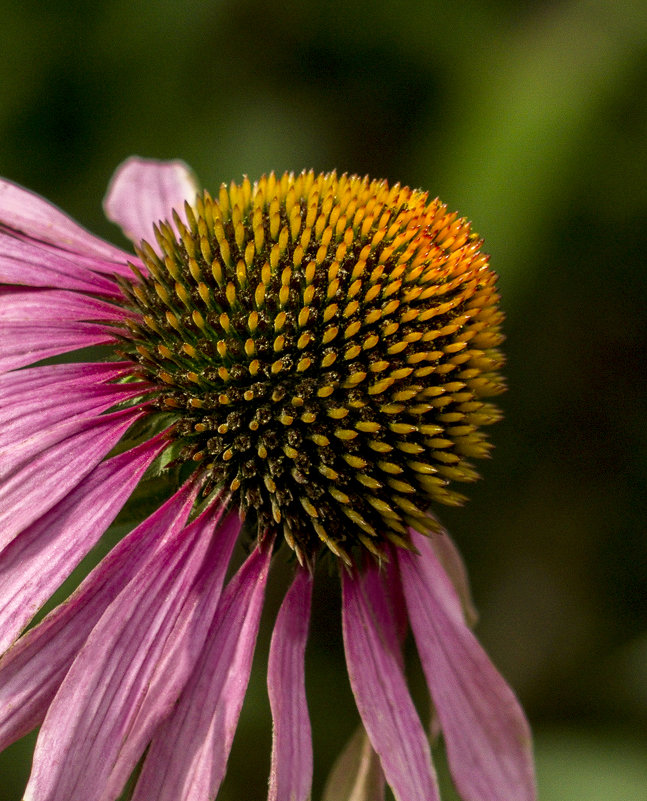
291 772
185 644
55 376
187 759
109 683
26 212
96 264
378 683
453 565
29 305
21 451
44 554
394 599
35 481
32 670
24 419
144 191
486 733
25 262
22 344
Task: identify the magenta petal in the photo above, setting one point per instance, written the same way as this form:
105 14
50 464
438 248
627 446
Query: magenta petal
378 683
24 262
486 733
88 262
44 554
20 453
24 419
33 482
22 344
23 211
143 192
291 771
109 683
30 400
187 759
33 668
28 305
55 376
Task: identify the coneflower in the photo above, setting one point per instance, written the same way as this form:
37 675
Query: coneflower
309 354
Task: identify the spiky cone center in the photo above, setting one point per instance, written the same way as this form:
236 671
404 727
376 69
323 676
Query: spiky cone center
325 345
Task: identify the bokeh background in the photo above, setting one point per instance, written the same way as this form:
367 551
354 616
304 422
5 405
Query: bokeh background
531 119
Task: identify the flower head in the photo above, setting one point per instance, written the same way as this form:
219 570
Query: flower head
311 354
323 345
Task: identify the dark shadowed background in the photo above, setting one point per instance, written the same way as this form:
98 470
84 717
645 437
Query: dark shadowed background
531 119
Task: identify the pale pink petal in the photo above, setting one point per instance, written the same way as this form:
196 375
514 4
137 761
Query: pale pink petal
35 486
42 556
184 645
452 562
486 733
291 771
374 668
26 212
357 774
187 759
21 420
34 667
91 717
22 344
24 262
144 191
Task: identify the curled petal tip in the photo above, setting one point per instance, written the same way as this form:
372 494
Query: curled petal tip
144 191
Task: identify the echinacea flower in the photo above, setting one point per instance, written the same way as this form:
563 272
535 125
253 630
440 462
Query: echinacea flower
308 354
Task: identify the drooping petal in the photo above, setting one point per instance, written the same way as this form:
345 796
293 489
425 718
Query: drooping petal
356 774
45 553
24 262
91 717
188 756
291 771
378 683
35 481
185 644
34 667
486 733
452 562
144 191
32 215
394 598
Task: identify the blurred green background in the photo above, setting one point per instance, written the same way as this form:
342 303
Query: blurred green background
531 119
